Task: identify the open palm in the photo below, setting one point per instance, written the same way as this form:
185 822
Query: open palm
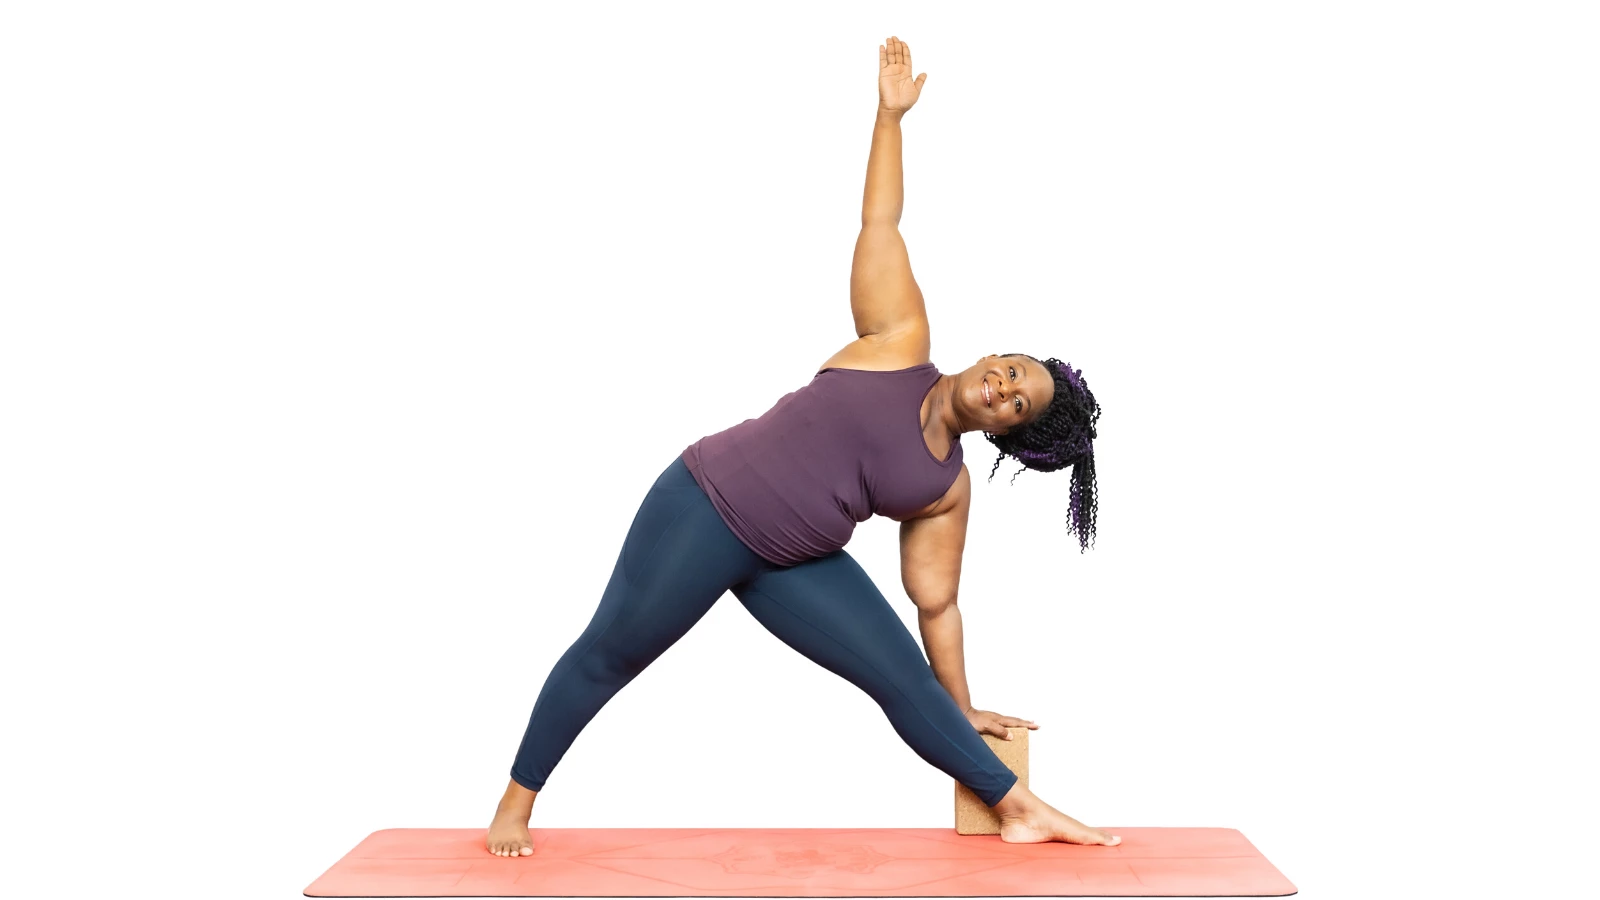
897 90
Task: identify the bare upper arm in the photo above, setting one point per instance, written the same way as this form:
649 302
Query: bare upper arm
931 546
884 297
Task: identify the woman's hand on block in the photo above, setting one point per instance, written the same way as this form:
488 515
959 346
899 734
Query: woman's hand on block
988 722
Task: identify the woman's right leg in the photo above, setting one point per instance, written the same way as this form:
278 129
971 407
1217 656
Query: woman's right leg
678 559
828 609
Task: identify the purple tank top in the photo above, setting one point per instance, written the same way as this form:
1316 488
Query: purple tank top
793 483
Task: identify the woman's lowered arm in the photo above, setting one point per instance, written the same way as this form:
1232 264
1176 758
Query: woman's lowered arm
930 569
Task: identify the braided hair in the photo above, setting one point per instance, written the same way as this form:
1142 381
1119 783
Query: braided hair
1062 436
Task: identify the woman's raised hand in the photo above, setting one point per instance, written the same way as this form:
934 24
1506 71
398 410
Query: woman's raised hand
897 90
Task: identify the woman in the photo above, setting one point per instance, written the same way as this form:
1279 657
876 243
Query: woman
764 508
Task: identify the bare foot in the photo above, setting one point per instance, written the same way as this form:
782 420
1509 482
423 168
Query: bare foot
508 833
508 836
1043 822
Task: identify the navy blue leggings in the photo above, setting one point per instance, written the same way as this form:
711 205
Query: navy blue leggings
678 559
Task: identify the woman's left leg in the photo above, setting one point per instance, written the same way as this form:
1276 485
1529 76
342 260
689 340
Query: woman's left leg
829 610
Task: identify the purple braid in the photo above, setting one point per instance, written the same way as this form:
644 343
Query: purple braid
1062 436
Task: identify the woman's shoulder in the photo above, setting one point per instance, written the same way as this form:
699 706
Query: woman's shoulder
883 352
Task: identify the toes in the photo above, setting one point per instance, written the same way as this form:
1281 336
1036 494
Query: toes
527 851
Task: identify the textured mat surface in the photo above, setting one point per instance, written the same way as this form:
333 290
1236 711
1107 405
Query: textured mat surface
800 862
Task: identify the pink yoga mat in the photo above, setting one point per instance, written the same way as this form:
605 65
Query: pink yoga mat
800 862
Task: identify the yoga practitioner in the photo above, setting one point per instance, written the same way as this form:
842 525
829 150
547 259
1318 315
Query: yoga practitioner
763 509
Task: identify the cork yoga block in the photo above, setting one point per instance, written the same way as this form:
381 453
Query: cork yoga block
972 816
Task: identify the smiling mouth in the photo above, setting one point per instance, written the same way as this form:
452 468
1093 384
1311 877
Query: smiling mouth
988 394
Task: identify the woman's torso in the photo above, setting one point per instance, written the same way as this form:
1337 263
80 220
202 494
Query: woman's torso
793 482
872 356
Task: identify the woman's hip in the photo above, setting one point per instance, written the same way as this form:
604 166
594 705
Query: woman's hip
678 531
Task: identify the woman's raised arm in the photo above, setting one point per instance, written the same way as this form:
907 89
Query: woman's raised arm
897 93
884 297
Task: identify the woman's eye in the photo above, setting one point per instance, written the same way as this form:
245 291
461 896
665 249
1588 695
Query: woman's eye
1019 404
1013 371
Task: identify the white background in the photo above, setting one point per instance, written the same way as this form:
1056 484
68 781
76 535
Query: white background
340 343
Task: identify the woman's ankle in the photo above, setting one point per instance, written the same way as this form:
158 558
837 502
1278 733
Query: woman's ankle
517 801
1016 802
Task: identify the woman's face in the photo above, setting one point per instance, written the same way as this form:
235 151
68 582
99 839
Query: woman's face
1000 393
